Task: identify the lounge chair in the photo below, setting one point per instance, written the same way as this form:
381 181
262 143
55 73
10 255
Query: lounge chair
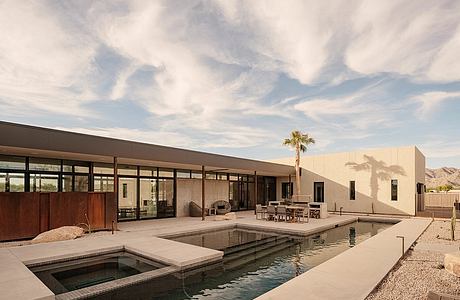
195 210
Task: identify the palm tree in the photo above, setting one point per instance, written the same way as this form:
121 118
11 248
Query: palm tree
299 141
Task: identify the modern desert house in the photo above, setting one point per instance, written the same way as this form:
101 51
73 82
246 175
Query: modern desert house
50 178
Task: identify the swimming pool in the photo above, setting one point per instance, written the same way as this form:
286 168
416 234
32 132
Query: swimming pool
254 263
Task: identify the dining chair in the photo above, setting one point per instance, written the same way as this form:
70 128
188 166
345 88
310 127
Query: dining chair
271 212
260 211
281 213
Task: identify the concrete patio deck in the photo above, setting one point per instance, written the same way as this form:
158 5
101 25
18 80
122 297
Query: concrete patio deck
145 238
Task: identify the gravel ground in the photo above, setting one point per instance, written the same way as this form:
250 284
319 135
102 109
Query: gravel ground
421 271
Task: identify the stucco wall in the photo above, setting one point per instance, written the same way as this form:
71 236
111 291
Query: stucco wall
372 171
190 190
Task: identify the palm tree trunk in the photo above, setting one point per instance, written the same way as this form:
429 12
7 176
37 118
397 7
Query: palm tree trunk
297 170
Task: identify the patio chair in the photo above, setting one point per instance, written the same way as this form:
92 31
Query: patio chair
260 211
281 213
301 214
271 212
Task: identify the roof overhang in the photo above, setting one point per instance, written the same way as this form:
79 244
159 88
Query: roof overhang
27 140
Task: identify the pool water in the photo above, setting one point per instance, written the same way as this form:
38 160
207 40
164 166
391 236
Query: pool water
81 273
253 264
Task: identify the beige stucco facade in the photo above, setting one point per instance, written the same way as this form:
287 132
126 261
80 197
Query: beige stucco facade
372 171
190 190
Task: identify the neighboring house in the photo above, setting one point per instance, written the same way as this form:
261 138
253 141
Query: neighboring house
50 178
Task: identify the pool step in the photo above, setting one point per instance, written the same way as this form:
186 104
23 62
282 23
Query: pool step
249 245
242 258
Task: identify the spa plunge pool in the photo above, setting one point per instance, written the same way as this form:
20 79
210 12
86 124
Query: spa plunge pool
83 273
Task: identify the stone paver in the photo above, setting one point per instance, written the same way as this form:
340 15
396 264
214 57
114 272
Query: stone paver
18 282
354 273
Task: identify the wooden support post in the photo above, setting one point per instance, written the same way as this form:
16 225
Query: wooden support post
203 187
290 192
115 189
255 190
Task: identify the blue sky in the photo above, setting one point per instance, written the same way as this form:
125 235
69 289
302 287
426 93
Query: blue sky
235 77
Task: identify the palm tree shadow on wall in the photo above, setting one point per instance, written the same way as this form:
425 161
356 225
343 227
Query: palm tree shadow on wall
378 170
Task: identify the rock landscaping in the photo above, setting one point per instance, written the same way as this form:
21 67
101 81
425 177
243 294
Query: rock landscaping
422 269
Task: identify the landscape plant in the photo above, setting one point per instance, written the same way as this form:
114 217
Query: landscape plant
453 221
299 142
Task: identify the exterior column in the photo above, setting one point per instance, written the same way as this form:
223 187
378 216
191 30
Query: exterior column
290 192
203 186
115 186
255 189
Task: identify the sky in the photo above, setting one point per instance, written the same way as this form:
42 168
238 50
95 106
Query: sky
235 77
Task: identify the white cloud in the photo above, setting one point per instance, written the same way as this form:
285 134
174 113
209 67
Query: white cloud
43 67
431 101
401 36
446 65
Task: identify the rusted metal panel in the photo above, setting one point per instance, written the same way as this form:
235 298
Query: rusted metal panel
25 215
96 210
44 211
19 215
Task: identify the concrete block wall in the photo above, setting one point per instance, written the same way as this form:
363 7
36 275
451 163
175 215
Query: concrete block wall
190 190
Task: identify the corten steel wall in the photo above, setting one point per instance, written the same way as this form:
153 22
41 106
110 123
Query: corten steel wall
372 170
25 215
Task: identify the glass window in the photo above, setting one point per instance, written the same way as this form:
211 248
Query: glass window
12 162
210 175
394 190
44 164
148 171
286 190
165 173
222 176
75 166
103 184
81 183
127 170
352 190
102 168
197 175
148 198
11 182
67 183
127 198
165 198
3 182
233 177
16 182
43 183
183 173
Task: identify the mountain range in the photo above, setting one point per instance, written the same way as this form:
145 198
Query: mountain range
442 176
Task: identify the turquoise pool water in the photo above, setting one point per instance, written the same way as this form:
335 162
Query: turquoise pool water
254 263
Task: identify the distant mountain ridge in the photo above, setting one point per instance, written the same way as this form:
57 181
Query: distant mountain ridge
442 176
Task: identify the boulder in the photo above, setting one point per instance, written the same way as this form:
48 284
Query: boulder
452 263
59 234
230 216
227 216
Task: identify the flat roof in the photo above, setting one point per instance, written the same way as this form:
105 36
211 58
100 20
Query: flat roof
29 140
